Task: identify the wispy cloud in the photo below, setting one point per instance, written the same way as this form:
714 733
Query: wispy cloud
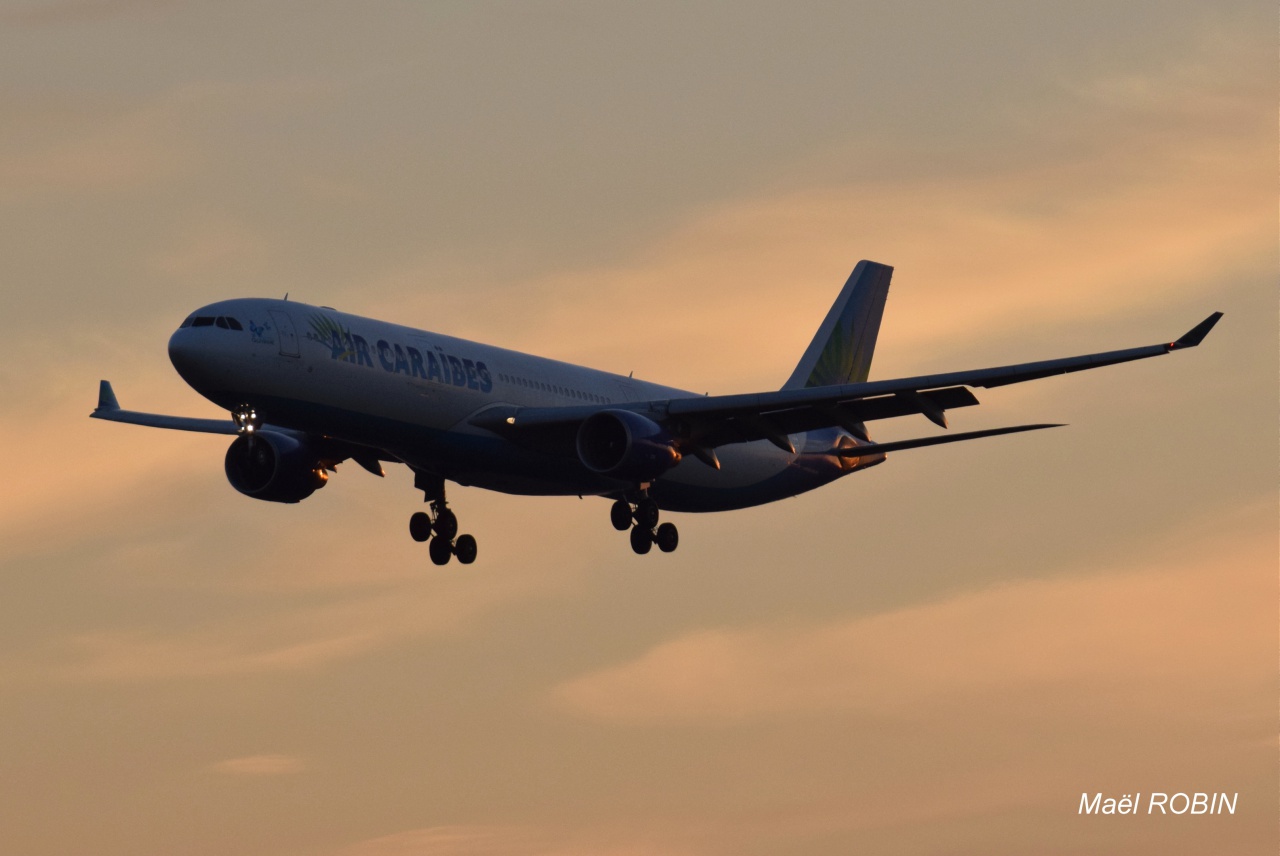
980 252
290 638
223 246
279 613
521 841
137 146
259 765
1198 645
77 146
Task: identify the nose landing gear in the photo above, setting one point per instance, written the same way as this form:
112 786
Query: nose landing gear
646 531
440 526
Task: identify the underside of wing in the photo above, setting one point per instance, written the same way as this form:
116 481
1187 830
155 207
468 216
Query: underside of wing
865 449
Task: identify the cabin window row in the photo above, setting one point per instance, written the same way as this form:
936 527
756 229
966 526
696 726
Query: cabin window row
527 383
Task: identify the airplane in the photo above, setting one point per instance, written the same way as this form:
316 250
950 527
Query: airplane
309 387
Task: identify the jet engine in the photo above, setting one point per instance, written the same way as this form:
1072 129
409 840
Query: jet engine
274 467
623 444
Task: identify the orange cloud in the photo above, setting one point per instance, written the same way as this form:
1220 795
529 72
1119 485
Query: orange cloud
259 765
1177 634
230 248
982 253
303 637
135 147
70 463
372 594
516 841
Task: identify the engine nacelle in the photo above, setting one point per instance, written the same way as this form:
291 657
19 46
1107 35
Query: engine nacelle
623 444
274 467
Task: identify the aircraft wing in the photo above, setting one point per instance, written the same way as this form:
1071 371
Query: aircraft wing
109 408
711 421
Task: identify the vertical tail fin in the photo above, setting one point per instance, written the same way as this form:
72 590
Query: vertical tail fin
841 349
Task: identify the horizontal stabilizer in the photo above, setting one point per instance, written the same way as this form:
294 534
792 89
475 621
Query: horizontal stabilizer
107 396
898 445
109 409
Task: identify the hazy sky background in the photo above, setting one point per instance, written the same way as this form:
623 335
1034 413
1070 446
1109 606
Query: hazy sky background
936 656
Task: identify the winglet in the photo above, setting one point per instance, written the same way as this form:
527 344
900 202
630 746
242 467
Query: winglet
1196 334
107 396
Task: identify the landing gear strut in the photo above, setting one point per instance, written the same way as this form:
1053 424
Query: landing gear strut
441 523
646 531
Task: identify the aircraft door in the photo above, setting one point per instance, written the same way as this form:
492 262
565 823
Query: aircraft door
287 336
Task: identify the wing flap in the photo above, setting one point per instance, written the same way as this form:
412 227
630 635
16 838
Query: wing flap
741 427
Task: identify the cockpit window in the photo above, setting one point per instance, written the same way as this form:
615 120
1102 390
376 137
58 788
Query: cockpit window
187 322
222 322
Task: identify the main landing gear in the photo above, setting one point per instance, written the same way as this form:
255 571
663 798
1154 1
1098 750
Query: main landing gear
646 531
440 527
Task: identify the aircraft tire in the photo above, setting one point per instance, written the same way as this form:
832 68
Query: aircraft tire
668 537
620 515
465 549
641 540
441 551
420 527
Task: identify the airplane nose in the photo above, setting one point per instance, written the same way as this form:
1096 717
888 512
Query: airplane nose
182 353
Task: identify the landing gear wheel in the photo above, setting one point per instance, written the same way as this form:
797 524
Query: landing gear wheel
465 549
420 527
641 540
667 537
646 514
620 515
446 524
441 551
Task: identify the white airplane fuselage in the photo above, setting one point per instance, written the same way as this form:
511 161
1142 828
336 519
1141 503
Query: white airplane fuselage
412 393
308 388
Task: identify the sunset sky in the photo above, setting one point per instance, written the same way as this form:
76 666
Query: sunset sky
936 656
